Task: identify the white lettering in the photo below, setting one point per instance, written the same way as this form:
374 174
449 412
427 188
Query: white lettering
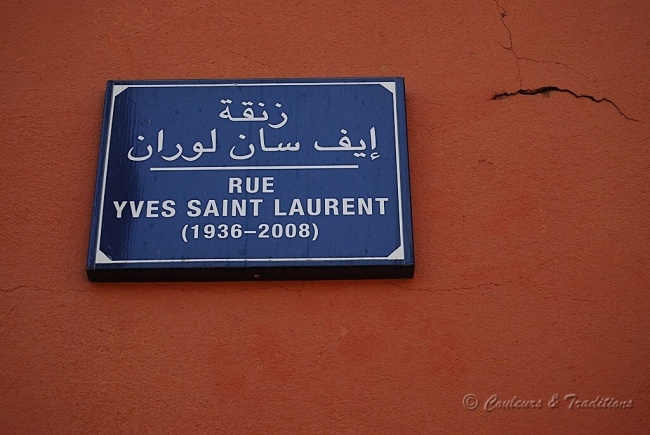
234 183
119 207
152 208
296 208
365 207
168 207
193 209
313 211
135 211
381 202
211 209
256 204
267 185
250 185
239 207
348 206
223 207
331 205
277 209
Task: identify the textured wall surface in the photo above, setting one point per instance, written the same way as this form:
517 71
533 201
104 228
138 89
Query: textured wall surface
529 136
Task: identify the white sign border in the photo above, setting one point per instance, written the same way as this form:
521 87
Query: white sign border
397 254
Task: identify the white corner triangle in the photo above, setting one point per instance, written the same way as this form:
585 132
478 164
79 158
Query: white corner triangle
102 258
398 254
390 86
118 89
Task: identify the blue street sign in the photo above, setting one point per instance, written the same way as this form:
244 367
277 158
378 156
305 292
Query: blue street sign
252 179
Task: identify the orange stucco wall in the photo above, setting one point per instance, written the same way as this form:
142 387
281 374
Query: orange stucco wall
531 220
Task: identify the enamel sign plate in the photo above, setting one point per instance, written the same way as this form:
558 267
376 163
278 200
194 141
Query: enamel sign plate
252 179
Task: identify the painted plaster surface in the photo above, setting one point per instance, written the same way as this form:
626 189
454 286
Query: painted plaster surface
529 137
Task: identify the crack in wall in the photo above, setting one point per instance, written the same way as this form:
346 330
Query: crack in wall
511 48
486 284
544 90
547 90
247 57
445 290
44 289
503 14
11 289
